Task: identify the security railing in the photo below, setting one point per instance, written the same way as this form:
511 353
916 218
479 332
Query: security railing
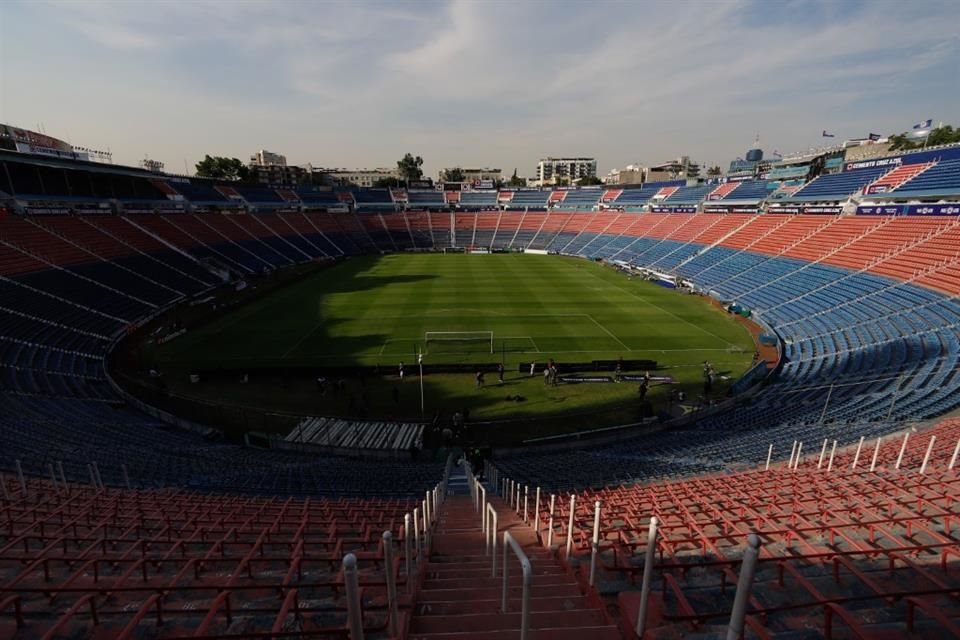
527 572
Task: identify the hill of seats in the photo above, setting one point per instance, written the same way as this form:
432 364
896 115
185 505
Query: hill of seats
864 305
96 489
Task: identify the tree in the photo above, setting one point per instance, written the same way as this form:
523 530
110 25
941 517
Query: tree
901 142
386 183
561 182
589 181
941 135
409 167
516 181
714 171
222 168
453 175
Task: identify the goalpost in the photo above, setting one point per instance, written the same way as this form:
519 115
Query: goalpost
480 338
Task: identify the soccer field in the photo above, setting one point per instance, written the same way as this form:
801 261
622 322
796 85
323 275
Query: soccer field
378 310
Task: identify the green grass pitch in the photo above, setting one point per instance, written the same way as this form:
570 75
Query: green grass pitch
376 310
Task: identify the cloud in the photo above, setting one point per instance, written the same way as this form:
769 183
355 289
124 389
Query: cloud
467 82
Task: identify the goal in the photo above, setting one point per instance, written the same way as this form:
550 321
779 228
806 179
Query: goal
460 340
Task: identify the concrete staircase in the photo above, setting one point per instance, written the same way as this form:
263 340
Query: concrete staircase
460 599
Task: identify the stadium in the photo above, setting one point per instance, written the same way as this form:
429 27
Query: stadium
681 406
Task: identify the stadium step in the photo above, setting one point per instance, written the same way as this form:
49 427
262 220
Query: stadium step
461 599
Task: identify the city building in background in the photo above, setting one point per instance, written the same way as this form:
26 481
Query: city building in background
264 158
551 171
355 177
472 176
681 168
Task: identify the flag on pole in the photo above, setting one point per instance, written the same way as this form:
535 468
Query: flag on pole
924 125
873 136
827 135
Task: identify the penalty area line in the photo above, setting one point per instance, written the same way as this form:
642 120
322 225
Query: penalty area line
303 339
608 332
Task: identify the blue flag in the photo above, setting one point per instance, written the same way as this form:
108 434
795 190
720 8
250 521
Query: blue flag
828 135
923 125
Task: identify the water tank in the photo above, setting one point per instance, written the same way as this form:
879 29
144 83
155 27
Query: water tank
755 155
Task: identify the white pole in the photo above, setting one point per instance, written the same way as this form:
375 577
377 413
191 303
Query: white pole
517 503
647 576
423 411
493 529
926 457
427 513
903 449
769 455
126 476
526 497
573 504
407 554
354 613
553 497
832 452
876 452
392 606
823 452
536 514
595 549
416 530
956 452
747 568
796 463
793 452
856 456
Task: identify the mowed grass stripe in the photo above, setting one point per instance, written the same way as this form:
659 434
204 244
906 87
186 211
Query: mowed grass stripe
356 310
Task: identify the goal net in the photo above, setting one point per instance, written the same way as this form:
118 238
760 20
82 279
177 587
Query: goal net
459 341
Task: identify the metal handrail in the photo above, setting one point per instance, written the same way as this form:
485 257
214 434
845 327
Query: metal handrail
491 535
483 506
354 610
393 620
525 567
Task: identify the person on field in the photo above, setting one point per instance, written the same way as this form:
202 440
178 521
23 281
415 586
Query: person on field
400 372
533 368
500 373
479 379
546 376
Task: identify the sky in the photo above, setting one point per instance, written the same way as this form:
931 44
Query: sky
474 82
